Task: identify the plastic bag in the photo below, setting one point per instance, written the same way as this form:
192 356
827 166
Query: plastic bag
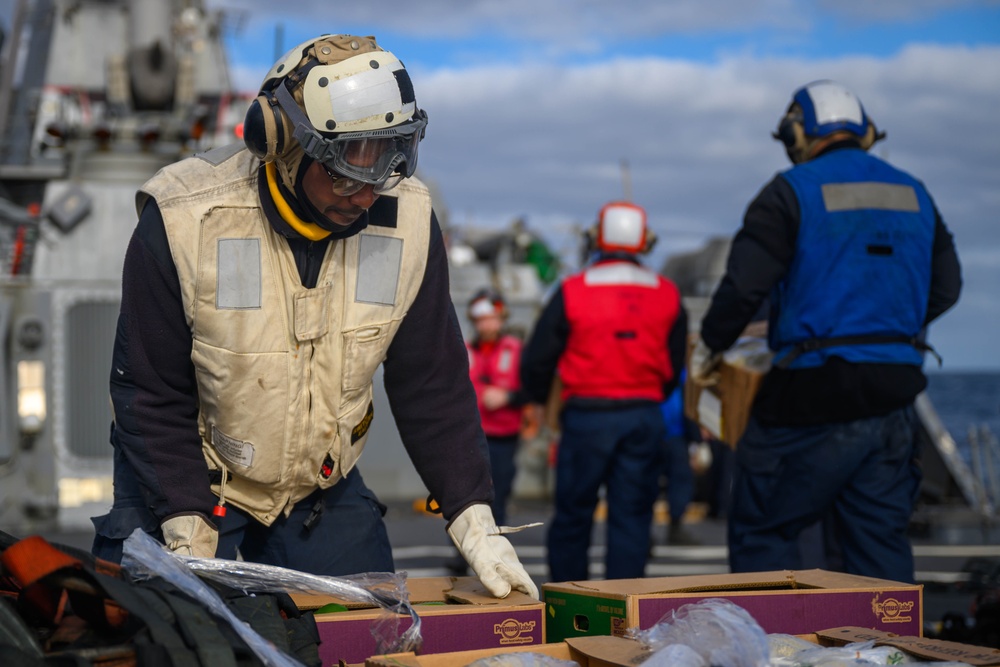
751 353
522 659
675 655
144 557
719 631
858 653
785 646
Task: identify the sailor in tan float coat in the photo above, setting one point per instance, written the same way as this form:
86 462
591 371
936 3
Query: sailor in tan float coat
263 286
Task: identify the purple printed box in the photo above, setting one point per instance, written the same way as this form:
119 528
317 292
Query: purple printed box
786 601
456 614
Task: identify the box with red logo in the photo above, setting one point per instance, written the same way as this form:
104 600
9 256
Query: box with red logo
456 614
794 602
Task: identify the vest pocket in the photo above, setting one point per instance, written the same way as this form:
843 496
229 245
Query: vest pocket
355 423
244 406
364 350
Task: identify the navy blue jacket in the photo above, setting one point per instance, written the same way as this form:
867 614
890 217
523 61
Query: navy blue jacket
839 390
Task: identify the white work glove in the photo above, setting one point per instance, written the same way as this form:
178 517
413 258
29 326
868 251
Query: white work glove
190 535
489 553
703 367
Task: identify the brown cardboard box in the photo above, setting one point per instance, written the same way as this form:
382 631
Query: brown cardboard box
456 614
787 601
927 649
723 409
585 651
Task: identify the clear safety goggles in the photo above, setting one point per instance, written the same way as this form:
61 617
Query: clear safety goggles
344 186
382 161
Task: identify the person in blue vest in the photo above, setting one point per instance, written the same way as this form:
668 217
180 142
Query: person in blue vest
857 261
616 333
677 464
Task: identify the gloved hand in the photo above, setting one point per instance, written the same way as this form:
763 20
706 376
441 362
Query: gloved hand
489 553
703 367
190 535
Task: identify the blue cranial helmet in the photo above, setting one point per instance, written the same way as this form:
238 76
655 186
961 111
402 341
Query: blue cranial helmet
828 107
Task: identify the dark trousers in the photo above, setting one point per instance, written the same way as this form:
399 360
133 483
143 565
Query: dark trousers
680 476
620 450
503 468
861 475
348 538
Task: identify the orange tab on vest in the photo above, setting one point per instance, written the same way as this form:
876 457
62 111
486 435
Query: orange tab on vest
32 558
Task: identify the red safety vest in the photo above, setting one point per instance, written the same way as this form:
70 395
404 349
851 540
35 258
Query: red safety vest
497 365
620 315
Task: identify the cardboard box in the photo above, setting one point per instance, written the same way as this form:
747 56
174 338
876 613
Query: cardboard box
456 614
724 409
604 651
788 601
585 651
927 649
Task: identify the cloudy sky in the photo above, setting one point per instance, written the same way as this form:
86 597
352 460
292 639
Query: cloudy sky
535 104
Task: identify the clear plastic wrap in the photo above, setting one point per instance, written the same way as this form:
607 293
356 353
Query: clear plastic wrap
144 557
522 659
852 655
675 655
860 653
750 352
785 646
719 631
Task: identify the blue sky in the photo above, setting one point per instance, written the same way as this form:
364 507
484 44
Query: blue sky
534 104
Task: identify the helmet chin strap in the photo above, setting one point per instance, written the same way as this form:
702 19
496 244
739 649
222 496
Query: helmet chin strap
309 230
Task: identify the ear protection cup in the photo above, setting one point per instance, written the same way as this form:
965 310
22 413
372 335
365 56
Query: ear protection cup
872 135
786 133
266 130
651 240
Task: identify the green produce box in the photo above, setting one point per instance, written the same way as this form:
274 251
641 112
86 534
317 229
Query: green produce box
788 601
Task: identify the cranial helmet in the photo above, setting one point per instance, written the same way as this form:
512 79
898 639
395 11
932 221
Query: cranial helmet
621 227
485 302
819 110
343 101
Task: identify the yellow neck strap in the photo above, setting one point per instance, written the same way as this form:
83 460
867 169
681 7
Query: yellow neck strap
310 230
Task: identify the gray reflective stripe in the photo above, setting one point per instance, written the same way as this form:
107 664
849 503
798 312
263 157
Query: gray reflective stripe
379 261
620 273
238 274
217 156
884 196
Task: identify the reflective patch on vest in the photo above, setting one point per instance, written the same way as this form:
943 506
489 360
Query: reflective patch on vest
620 273
505 361
379 262
238 282
361 429
236 452
881 196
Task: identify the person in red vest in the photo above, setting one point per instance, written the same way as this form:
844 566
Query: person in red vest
494 365
616 333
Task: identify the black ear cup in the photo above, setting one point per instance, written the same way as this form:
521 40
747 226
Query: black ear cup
266 130
651 240
786 131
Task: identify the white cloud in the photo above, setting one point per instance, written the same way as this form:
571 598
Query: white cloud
547 141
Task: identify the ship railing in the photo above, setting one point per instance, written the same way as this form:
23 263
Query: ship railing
984 451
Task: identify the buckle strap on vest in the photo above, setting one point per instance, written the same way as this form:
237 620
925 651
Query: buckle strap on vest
814 344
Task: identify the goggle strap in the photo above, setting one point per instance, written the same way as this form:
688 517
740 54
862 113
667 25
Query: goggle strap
303 131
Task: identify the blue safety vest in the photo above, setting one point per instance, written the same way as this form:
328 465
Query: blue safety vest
858 285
